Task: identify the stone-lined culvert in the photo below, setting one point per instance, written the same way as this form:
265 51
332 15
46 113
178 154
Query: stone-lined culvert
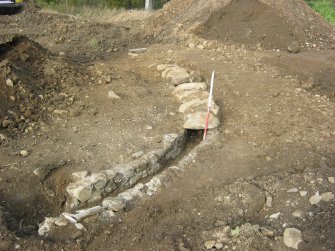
108 192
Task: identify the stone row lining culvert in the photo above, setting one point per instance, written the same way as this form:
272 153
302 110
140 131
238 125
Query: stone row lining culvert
125 180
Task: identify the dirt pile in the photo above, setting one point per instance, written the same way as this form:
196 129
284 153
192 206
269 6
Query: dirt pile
31 86
257 24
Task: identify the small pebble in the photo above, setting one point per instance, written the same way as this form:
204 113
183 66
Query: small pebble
331 180
219 245
24 153
327 197
209 244
315 199
61 222
298 213
303 193
9 82
79 226
274 216
292 190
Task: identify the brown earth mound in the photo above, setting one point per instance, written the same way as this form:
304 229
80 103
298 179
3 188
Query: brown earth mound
250 22
269 25
31 85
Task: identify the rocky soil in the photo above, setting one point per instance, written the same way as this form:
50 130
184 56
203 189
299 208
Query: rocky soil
101 126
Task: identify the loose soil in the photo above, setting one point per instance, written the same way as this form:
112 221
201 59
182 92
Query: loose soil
277 131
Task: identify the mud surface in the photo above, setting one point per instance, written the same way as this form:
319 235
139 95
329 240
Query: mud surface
273 152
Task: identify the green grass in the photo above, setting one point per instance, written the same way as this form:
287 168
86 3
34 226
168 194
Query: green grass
326 8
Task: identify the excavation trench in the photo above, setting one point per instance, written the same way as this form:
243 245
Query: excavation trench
22 211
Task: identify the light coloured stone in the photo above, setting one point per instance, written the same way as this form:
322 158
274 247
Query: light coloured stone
2 137
138 50
113 95
292 238
9 82
197 121
197 105
61 222
46 225
24 153
95 197
292 190
294 47
191 45
303 193
80 191
201 46
267 232
137 154
79 175
132 55
191 86
219 245
298 213
162 67
153 185
114 203
79 226
315 199
209 244
177 75
331 180
167 70
327 197
187 96
274 216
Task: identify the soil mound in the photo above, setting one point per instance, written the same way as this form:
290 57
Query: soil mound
250 22
256 24
31 85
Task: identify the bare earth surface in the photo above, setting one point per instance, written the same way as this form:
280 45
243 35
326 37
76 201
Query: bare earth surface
72 99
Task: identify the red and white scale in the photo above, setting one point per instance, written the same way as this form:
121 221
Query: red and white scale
209 105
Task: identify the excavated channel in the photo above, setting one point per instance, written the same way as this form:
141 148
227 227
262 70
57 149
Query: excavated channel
22 218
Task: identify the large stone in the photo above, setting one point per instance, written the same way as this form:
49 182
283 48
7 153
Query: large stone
197 121
80 191
327 197
292 238
114 203
178 76
167 70
9 82
294 47
315 199
162 67
138 50
197 105
45 227
113 95
76 176
191 86
187 96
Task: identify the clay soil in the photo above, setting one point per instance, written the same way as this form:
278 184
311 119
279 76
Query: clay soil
277 127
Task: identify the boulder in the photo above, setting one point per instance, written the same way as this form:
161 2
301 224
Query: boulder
292 238
167 70
196 121
187 96
162 67
191 86
114 203
80 191
197 105
294 47
138 50
177 75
